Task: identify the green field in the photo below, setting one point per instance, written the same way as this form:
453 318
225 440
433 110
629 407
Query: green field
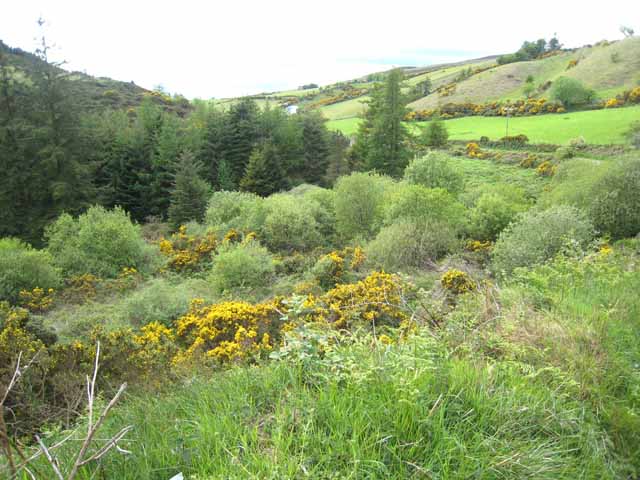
597 126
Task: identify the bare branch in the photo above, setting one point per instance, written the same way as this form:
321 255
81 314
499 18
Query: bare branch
50 459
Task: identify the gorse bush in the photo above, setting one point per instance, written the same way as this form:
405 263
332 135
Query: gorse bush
538 236
24 268
435 170
100 241
241 265
359 201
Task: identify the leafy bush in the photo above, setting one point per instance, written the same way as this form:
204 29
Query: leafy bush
290 223
24 268
246 264
100 241
633 134
573 182
409 243
494 210
571 92
241 211
615 200
435 170
358 204
538 236
426 205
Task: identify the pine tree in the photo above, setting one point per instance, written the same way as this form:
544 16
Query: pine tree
190 193
387 150
225 176
240 136
315 148
264 174
338 157
164 164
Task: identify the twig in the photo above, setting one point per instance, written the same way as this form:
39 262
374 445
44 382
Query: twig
50 459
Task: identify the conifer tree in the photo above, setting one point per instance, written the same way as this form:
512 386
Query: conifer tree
225 176
190 193
315 148
264 174
338 157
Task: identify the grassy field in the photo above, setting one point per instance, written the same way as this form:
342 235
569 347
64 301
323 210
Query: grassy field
597 126
348 109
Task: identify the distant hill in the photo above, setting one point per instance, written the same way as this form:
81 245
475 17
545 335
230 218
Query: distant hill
96 93
607 67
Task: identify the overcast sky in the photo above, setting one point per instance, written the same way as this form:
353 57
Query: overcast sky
237 47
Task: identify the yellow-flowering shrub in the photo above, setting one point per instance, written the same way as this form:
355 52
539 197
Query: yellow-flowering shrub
612 103
474 151
634 95
80 288
457 282
229 331
332 268
571 64
478 246
155 348
546 169
37 300
187 252
376 300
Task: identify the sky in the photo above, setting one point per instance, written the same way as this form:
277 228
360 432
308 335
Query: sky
218 49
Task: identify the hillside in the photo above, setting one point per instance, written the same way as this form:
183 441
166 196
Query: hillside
608 68
93 93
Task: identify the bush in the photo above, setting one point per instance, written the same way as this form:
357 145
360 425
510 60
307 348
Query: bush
241 265
101 242
538 236
358 204
494 210
426 205
634 134
24 268
435 170
407 243
573 182
571 92
290 223
615 200
238 210
435 134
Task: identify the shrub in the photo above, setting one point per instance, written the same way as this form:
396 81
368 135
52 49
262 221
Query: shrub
435 134
238 210
246 264
494 210
290 223
634 134
573 182
335 267
24 268
457 282
615 200
358 202
571 92
538 236
435 170
426 205
186 251
101 242
407 243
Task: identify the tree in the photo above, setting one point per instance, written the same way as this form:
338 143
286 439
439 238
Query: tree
190 193
435 134
264 174
571 92
315 147
423 88
626 31
384 136
338 157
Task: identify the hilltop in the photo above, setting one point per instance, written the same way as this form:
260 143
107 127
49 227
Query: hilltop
92 93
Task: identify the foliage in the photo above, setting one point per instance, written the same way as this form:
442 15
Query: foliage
290 223
494 210
188 252
359 200
241 265
190 193
228 331
537 236
435 170
264 174
101 242
457 282
435 134
24 268
337 266
240 211
614 203
571 92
